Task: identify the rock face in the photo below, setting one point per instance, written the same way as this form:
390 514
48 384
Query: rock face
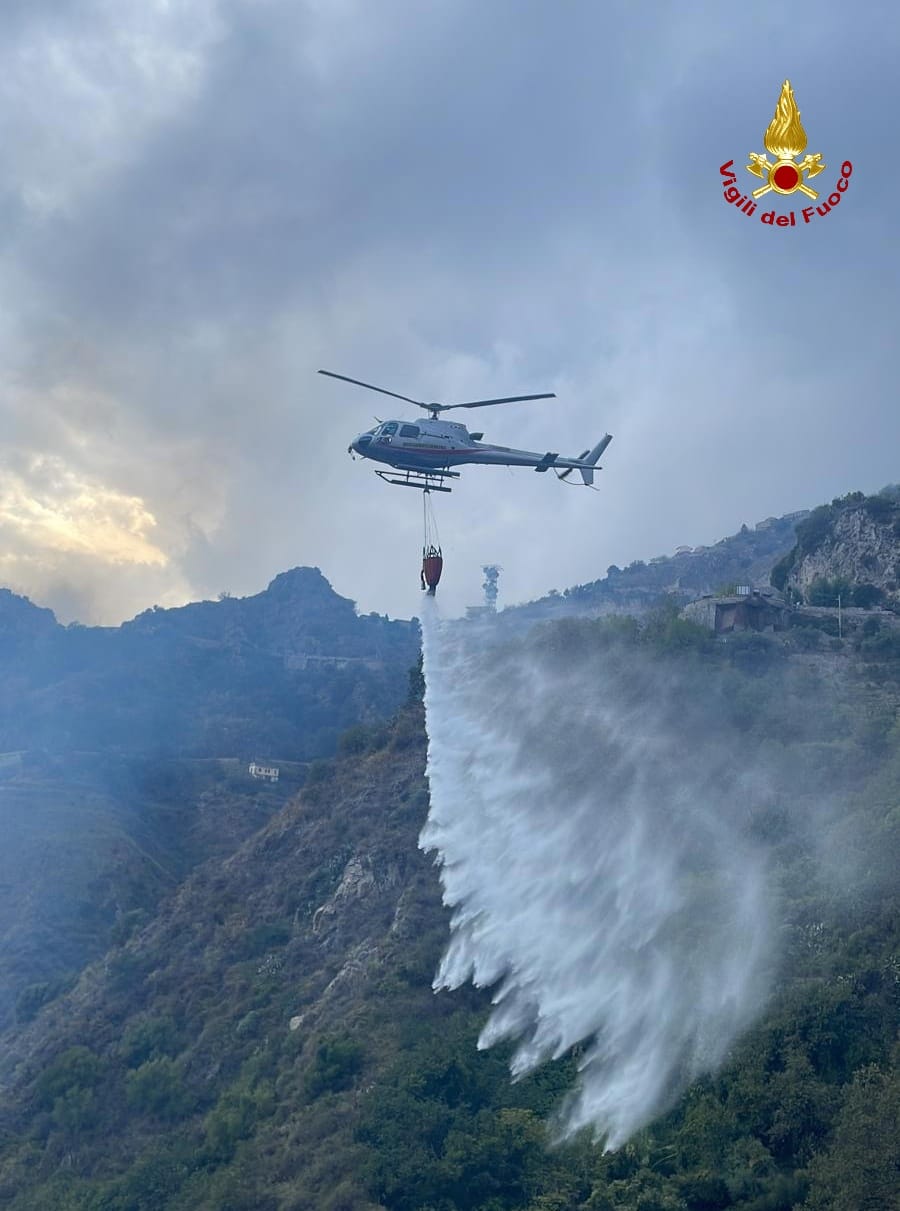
853 543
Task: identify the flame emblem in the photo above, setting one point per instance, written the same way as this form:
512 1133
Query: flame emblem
785 139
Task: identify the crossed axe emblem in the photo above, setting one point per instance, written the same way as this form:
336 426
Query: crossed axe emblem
789 172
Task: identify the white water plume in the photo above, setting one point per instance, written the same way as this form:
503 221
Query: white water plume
588 814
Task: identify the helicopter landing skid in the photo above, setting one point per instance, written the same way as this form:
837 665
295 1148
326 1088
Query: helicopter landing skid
427 481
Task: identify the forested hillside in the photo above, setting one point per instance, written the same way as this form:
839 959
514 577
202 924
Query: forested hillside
280 674
124 753
270 1042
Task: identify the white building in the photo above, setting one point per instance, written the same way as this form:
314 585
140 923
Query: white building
268 772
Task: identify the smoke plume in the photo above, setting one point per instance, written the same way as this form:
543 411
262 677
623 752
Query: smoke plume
588 811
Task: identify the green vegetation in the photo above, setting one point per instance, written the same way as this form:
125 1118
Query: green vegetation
337 1061
124 754
270 1041
816 530
156 1089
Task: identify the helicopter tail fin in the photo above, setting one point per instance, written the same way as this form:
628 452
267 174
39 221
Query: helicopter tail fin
587 473
587 461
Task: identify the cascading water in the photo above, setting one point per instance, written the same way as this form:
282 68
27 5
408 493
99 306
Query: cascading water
588 818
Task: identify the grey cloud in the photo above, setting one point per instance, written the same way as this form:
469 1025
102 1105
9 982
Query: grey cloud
456 199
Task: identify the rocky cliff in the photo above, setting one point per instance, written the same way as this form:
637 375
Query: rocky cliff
850 547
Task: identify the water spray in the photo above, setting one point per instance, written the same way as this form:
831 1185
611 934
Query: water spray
586 815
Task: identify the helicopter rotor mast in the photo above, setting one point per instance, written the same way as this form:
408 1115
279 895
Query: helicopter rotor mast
435 408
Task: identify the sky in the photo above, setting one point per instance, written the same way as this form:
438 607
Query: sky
205 201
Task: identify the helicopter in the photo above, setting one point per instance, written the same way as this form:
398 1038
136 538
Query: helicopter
421 454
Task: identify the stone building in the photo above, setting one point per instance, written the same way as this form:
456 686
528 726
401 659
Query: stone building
748 609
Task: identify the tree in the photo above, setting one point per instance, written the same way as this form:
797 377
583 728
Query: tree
824 592
337 1062
865 595
156 1088
861 1169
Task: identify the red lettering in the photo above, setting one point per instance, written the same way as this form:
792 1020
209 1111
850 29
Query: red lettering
807 213
846 164
834 199
842 184
726 172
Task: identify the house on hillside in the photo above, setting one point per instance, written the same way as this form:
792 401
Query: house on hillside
748 609
267 772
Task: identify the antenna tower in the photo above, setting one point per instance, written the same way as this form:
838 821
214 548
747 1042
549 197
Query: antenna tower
491 576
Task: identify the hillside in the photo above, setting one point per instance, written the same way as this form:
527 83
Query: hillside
743 558
93 843
848 549
124 753
278 674
271 1041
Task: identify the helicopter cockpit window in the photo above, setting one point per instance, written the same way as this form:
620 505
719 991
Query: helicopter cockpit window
409 430
389 429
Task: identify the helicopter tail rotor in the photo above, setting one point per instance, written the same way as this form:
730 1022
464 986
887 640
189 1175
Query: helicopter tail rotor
587 461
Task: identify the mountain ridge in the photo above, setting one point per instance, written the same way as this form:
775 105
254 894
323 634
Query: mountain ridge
261 1034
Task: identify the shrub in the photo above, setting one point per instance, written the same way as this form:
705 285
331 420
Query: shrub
148 1039
360 739
824 592
879 508
865 595
813 530
319 771
126 925
157 1089
779 574
806 639
234 1117
76 1069
337 1061
34 997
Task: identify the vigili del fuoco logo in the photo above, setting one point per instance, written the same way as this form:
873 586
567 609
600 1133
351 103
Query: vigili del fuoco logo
785 139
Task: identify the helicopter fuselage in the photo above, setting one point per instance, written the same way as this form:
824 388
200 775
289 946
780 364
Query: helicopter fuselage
423 452
435 444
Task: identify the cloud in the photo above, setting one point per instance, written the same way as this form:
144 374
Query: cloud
53 510
205 203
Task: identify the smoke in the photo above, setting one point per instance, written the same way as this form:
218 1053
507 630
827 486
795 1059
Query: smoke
588 810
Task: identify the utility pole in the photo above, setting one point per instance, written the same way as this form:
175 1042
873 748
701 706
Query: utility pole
840 625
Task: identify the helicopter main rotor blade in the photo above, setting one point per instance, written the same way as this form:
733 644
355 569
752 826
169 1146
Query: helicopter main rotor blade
485 403
372 387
